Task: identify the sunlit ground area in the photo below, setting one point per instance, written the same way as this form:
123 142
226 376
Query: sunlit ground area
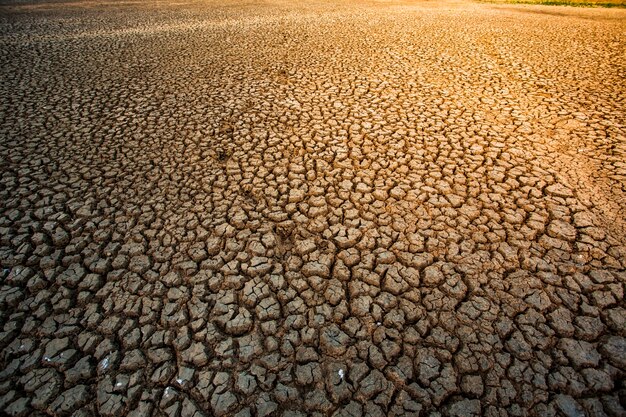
576 3
312 208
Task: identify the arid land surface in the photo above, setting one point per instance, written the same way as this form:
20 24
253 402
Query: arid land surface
312 208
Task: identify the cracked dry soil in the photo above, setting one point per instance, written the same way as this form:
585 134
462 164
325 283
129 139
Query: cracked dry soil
312 208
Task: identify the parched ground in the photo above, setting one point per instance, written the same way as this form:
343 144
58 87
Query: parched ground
312 208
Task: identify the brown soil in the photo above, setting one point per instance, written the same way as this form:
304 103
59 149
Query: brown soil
312 208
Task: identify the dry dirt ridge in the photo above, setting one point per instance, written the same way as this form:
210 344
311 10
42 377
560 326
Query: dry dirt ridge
312 208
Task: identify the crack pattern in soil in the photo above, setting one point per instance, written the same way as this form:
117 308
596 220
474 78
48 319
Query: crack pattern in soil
318 208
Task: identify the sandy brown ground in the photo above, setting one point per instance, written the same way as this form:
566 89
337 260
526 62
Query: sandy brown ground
574 3
312 208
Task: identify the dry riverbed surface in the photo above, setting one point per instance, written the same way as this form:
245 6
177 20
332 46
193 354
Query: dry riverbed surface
312 208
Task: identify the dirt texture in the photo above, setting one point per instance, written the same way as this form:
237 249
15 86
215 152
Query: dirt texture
315 208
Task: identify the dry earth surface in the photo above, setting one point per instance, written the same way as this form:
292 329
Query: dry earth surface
576 3
309 208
